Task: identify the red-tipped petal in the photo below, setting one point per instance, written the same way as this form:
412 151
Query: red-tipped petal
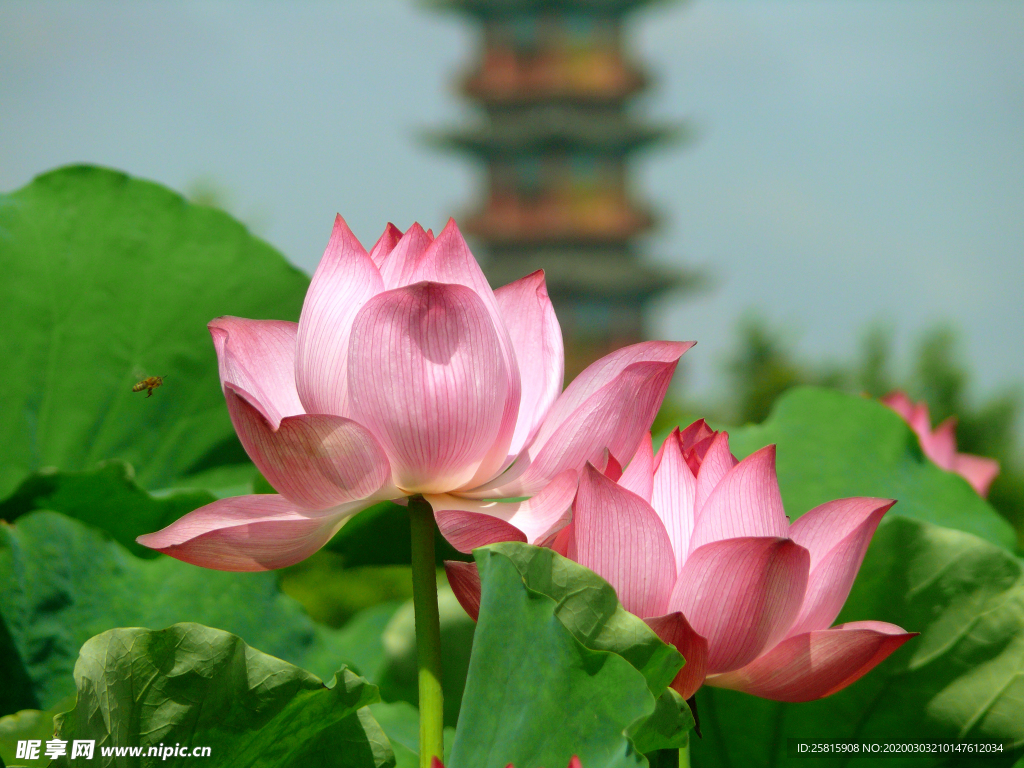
344 281
470 523
816 664
402 262
249 533
258 356
742 595
464 579
315 461
836 534
537 339
427 378
639 475
385 244
675 630
674 496
745 502
435 763
619 536
717 462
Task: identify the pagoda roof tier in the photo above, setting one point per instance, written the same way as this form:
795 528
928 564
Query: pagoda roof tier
510 221
488 8
583 273
555 126
595 77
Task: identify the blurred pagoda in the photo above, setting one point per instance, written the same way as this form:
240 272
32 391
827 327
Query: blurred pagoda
554 86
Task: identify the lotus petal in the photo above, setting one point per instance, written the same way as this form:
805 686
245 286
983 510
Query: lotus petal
343 282
464 579
471 523
712 467
249 533
533 328
315 461
427 378
619 536
816 664
613 418
385 244
639 475
674 495
745 502
742 595
258 356
976 470
400 266
675 630
837 535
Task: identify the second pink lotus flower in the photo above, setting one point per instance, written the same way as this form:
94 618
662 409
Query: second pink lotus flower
699 546
406 374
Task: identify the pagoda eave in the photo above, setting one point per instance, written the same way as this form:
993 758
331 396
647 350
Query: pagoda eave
491 8
492 96
488 142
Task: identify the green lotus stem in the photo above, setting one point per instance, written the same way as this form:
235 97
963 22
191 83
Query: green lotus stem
684 755
428 630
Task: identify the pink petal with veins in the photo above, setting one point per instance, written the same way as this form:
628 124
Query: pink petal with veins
639 475
249 533
537 340
745 502
315 461
674 496
426 377
619 536
471 523
837 535
464 579
344 281
258 356
613 418
816 664
675 630
742 595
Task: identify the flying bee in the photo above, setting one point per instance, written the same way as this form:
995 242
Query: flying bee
149 384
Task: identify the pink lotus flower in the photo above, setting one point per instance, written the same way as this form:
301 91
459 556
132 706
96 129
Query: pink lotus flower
406 374
698 545
940 445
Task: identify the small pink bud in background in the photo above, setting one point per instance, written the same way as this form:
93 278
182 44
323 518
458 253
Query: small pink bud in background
940 445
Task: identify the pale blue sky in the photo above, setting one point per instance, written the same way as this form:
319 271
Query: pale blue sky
856 160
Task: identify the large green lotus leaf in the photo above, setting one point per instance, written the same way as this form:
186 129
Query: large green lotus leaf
535 695
106 497
588 607
62 582
106 280
961 679
833 445
202 687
